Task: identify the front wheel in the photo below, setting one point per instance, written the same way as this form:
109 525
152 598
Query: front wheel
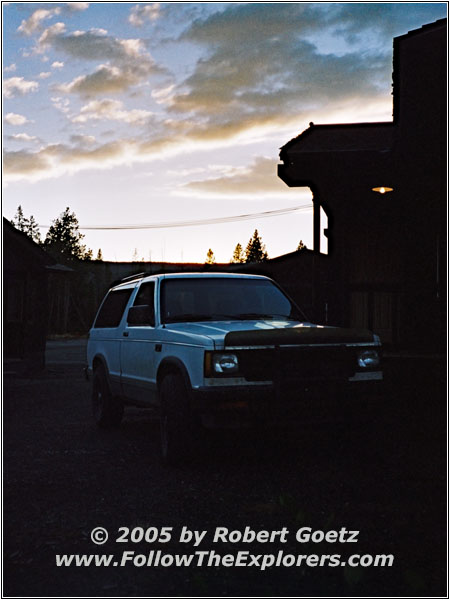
106 408
176 421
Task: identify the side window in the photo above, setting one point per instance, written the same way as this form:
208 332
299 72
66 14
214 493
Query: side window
146 295
112 308
143 310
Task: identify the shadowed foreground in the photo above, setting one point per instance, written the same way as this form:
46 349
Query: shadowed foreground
63 477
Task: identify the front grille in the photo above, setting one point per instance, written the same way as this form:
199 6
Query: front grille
297 364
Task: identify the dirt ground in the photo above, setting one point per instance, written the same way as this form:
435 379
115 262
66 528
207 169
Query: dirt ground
384 477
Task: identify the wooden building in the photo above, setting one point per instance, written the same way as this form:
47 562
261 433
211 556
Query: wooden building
25 300
383 189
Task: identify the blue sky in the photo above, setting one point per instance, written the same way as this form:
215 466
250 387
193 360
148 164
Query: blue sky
144 113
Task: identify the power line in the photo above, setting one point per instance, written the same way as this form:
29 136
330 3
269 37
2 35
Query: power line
210 221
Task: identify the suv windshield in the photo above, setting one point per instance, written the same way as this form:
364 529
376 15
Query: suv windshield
220 299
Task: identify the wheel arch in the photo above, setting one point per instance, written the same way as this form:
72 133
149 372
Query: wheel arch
172 364
99 361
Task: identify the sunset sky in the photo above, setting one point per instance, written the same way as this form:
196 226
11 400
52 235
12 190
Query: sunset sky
147 113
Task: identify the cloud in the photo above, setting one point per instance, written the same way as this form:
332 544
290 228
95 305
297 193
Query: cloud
57 159
144 12
33 23
47 37
15 119
24 163
258 63
61 104
83 140
10 69
44 75
18 86
126 62
22 137
258 178
105 79
111 110
57 64
76 6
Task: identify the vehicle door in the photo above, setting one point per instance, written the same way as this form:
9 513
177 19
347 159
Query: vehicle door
138 347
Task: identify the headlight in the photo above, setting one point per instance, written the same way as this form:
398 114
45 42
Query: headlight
368 359
220 363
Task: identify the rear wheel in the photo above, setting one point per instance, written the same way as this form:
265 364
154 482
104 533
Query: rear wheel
176 423
106 408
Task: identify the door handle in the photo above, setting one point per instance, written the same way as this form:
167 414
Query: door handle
125 334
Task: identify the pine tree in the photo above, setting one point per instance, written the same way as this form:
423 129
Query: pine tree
256 250
210 258
33 231
301 245
99 255
238 255
28 226
19 221
64 240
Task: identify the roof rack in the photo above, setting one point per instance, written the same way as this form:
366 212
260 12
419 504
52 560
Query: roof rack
135 276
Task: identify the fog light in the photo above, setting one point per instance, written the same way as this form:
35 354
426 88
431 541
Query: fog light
368 359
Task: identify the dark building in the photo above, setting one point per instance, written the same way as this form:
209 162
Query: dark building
25 300
383 187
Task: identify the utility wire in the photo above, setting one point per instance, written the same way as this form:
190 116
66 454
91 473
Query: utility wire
211 221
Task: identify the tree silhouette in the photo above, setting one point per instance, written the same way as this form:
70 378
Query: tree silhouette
28 226
19 221
99 255
33 230
301 245
210 258
256 250
64 240
238 255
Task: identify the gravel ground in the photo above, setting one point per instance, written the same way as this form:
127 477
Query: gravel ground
385 478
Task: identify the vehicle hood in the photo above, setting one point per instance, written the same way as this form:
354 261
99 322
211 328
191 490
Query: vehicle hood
270 332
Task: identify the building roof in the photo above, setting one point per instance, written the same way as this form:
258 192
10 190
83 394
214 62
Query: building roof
344 138
11 235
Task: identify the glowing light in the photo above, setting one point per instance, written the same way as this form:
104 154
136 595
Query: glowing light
382 189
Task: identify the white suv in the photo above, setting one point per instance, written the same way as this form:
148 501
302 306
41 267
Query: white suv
215 349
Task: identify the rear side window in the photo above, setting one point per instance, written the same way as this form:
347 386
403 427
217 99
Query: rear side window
112 308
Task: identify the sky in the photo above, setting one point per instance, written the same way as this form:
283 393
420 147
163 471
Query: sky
165 113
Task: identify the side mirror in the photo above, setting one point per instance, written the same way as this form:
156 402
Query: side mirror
141 315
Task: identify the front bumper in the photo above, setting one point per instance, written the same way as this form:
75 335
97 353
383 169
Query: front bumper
284 401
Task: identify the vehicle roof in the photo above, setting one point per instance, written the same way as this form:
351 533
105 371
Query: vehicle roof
139 278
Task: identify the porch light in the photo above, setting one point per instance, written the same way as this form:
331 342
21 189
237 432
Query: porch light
382 189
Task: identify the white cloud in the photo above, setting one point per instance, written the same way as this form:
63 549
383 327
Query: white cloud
15 119
10 69
22 137
57 64
33 23
77 6
112 110
44 75
48 36
61 104
144 12
18 86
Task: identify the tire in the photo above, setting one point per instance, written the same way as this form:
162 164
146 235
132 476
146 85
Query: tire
106 408
176 421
